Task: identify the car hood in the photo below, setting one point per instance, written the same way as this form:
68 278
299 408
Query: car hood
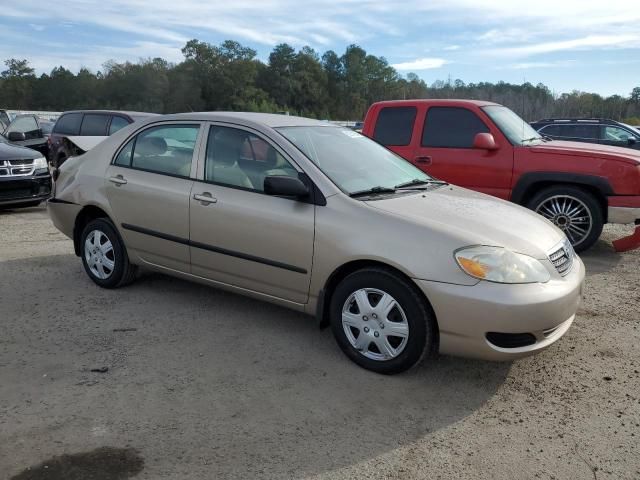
9 151
558 147
473 218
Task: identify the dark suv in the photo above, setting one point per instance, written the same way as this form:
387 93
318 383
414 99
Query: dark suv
591 130
85 123
24 176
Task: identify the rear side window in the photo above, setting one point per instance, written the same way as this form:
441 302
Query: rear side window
68 124
589 132
117 123
451 127
165 149
94 125
394 126
124 157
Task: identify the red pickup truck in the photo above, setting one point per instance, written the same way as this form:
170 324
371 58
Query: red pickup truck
486 147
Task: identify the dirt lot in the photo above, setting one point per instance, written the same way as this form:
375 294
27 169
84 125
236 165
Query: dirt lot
203 384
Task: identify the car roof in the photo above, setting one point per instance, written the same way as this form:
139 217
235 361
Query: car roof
112 112
269 119
442 101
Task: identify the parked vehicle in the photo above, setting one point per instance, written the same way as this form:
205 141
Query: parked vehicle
66 138
29 131
323 220
486 147
24 176
591 130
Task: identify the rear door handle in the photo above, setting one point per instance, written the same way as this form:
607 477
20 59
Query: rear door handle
118 180
206 198
424 160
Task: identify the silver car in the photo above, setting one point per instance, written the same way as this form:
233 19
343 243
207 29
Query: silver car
322 220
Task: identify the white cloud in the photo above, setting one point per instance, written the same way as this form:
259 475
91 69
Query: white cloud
589 42
421 64
451 48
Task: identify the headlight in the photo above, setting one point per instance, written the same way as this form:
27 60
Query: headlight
40 162
500 265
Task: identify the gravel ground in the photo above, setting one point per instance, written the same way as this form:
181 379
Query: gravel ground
203 384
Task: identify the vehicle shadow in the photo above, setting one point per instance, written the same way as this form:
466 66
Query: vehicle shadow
600 258
204 383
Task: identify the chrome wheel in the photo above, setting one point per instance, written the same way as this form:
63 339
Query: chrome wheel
99 254
375 324
570 214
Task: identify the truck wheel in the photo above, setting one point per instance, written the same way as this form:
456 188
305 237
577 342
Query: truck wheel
573 210
380 322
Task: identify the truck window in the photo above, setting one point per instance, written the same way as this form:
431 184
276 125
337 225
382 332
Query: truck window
451 127
395 125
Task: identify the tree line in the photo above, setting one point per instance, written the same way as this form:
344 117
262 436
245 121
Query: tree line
229 76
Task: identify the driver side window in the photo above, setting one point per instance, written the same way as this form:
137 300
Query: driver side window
237 158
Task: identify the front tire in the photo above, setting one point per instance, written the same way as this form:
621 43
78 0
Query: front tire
380 322
104 256
574 211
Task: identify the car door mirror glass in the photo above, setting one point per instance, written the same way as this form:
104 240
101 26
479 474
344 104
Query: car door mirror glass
285 186
484 141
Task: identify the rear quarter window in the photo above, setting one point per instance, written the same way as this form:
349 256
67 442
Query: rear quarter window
68 124
395 126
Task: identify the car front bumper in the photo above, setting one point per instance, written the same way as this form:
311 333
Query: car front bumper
18 190
541 311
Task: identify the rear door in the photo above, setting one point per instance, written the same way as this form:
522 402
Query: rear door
148 186
239 235
445 151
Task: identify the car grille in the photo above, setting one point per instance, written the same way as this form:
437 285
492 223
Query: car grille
562 257
16 168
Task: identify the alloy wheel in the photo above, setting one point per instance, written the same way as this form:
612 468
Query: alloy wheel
569 214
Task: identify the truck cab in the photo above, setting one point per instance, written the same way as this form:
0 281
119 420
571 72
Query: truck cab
486 147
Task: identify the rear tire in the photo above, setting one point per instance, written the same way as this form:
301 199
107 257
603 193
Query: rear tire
574 210
104 255
388 338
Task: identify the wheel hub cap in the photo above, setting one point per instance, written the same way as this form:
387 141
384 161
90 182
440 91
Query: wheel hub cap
99 254
569 214
375 324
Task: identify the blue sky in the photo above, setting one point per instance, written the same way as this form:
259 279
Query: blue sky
567 44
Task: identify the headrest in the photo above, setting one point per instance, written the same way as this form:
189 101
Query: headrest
227 146
151 146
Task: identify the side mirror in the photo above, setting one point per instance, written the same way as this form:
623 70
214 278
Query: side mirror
632 140
17 137
285 186
484 141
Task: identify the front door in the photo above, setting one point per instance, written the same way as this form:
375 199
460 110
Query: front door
445 151
241 236
619 137
148 187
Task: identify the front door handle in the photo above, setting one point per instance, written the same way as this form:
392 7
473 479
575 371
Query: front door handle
118 180
206 198
423 160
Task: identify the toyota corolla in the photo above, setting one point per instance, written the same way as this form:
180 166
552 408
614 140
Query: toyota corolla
323 220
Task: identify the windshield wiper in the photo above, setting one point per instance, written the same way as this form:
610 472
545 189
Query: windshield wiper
416 181
372 190
531 139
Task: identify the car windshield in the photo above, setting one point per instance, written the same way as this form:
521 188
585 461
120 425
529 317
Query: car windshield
514 128
352 161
